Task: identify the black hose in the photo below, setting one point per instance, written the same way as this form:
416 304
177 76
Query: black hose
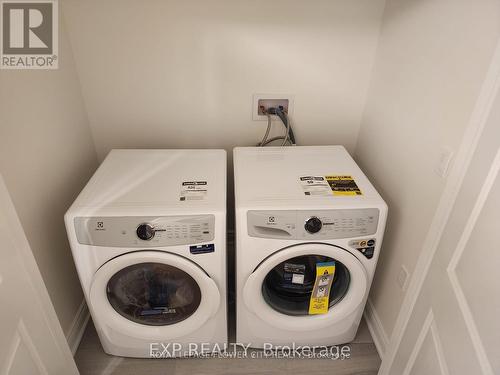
284 119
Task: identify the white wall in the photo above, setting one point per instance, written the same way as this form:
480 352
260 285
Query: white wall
178 74
431 61
46 156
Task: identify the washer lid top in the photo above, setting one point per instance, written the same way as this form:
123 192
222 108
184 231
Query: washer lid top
275 175
153 295
152 178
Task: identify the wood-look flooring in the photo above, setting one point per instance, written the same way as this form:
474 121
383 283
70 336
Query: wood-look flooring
92 360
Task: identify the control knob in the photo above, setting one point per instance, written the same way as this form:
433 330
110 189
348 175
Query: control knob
313 225
145 232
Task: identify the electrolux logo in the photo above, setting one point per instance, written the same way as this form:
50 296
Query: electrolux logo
29 34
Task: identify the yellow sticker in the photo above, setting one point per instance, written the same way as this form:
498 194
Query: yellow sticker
343 185
321 291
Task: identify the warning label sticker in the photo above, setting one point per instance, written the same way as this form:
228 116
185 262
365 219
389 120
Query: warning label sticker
320 295
343 185
337 185
193 190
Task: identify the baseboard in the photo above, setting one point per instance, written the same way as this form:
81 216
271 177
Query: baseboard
376 329
75 332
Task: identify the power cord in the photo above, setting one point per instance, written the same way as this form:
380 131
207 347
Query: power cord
289 136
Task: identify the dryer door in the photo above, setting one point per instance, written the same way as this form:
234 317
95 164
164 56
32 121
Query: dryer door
153 295
279 289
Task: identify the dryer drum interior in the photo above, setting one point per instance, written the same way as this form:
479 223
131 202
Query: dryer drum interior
153 294
292 298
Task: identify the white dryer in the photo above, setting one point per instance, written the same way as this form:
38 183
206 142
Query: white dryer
298 208
148 236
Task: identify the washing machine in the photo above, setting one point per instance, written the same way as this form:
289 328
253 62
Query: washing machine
148 237
299 210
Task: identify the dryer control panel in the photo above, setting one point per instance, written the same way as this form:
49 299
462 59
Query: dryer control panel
314 224
145 231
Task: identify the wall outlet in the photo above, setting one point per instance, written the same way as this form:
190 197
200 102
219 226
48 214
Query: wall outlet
403 277
270 100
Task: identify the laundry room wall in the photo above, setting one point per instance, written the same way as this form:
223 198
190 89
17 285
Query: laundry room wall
46 156
181 74
431 61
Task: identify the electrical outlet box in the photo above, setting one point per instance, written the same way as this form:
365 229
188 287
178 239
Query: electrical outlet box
265 104
268 101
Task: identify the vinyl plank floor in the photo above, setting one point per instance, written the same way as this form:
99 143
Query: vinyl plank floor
91 360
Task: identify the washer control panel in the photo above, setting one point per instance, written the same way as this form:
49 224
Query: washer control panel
317 224
145 231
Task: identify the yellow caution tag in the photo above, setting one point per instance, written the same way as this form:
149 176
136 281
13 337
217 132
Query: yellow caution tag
343 185
321 292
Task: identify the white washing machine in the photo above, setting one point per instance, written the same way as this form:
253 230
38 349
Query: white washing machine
298 208
148 236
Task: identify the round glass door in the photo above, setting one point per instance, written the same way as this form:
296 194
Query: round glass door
155 294
279 289
288 286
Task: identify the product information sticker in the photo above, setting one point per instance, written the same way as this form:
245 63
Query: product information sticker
294 273
336 185
193 190
315 185
320 295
